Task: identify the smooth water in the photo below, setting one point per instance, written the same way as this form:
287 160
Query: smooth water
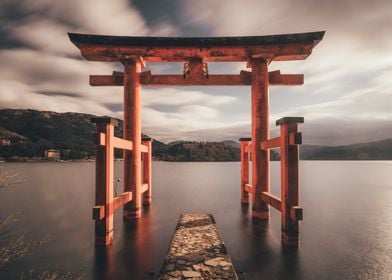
346 232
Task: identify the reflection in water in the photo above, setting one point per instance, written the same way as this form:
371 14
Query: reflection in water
131 251
104 263
344 235
138 241
290 264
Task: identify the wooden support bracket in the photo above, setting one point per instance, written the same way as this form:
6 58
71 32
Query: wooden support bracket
98 212
296 213
270 143
144 188
125 58
118 201
275 78
272 200
99 139
144 148
249 189
295 138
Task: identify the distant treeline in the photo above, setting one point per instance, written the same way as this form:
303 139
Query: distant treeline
201 151
27 134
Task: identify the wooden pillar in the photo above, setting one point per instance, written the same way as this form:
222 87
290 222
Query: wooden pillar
260 132
289 179
104 181
244 169
132 132
147 161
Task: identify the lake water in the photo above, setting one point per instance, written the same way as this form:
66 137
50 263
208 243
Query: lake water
346 232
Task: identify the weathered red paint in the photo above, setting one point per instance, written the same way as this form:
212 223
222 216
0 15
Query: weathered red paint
279 52
132 131
260 133
258 51
104 183
147 171
244 170
289 183
243 79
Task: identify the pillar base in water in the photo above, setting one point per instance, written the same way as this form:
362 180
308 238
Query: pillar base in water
290 240
104 240
147 200
132 214
262 215
245 200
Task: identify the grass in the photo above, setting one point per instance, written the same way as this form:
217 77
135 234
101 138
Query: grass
9 178
12 250
49 275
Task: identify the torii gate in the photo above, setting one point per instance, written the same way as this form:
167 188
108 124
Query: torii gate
258 52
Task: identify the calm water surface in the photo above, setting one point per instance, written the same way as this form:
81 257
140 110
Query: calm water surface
346 232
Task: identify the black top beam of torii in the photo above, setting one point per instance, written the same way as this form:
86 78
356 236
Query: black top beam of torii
196 52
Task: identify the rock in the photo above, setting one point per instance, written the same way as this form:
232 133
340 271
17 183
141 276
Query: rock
176 274
196 258
169 267
190 273
213 262
224 263
197 251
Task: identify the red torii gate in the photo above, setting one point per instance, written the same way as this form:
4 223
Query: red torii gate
258 52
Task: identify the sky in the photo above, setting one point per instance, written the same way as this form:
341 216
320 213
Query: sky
346 97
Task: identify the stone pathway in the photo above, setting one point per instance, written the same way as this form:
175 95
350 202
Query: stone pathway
197 251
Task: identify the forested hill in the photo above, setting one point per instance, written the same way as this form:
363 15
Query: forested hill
379 150
31 132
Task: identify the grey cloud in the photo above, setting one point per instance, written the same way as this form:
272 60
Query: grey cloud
57 93
347 78
345 131
114 107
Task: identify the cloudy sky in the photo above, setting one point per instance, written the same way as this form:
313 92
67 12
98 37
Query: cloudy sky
346 98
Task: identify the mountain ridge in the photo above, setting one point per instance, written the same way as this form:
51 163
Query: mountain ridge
31 132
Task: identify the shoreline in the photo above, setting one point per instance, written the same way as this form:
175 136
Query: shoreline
29 160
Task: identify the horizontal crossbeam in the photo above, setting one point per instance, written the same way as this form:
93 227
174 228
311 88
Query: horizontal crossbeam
243 79
117 143
121 199
270 143
272 200
118 201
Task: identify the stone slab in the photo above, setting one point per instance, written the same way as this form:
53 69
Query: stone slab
197 251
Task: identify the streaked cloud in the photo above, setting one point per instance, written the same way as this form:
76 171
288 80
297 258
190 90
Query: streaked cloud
346 97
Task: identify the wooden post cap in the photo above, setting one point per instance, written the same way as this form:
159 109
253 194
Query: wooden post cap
286 120
245 139
104 120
